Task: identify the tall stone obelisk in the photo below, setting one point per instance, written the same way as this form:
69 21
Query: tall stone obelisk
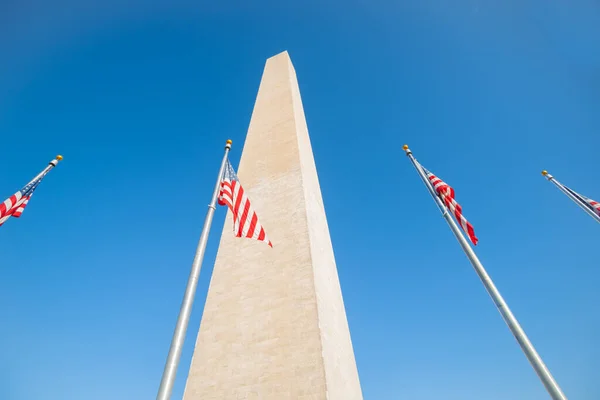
274 325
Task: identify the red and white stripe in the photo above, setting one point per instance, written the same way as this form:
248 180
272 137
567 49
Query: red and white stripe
20 207
446 193
13 207
593 203
245 220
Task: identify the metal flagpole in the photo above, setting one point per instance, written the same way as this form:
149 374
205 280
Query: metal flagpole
530 352
170 371
570 195
50 166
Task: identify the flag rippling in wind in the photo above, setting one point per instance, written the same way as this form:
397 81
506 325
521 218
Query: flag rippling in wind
245 220
446 193
15 204
592 205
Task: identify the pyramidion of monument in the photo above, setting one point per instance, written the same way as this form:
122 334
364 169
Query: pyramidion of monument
274 324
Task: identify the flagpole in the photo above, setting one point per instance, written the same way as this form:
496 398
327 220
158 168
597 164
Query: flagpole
168 378
530 352
569 195
50 166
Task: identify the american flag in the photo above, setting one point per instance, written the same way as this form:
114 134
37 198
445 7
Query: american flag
446 193
15 204
594 206
245 220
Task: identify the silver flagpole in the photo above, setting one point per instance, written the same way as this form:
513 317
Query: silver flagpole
170 371
50 165
532 355
569 195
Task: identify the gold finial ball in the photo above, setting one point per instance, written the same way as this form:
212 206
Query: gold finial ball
59 157
544 172
405 147
229 141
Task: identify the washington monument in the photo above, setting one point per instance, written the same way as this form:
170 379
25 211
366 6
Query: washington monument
274 325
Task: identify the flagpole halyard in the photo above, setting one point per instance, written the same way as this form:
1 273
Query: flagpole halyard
170 371
577 201
526 346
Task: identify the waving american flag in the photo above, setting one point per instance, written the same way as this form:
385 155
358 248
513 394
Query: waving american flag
15 204
245 220
592 205
446 193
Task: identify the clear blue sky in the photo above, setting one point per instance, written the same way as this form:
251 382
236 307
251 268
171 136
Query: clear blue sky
139 100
